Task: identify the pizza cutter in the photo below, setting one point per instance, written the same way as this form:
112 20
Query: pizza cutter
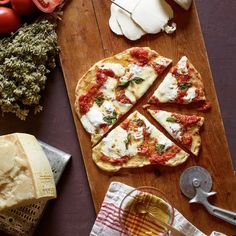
195 183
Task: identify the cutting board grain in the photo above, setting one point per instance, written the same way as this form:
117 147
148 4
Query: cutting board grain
84 38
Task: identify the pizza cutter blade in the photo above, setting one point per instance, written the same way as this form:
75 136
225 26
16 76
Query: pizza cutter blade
195 183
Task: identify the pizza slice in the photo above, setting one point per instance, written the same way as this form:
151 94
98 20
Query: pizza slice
112 86
182 85
183 128
136 143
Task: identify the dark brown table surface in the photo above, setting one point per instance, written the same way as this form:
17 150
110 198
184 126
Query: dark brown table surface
72 213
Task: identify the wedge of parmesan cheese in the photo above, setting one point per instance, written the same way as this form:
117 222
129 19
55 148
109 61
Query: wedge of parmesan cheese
25 173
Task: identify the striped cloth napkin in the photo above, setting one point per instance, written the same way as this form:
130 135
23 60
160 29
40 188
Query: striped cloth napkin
108 224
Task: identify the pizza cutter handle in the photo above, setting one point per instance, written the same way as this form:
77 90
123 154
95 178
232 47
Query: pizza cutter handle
228 216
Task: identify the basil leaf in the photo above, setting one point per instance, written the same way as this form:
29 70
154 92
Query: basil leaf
124 84
171 119
111 119
160 147
127 141
129 136
139 122
99 101
184 86
137 80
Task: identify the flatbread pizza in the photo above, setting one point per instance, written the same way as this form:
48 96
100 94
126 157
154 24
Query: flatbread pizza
182 85
183 128
136 143
113 85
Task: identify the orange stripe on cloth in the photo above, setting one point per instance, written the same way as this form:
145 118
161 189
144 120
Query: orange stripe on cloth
137 225
114 212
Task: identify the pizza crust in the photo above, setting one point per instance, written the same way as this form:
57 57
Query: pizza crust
196 138
135 162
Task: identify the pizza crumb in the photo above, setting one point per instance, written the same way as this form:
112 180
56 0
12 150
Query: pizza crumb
206 106
145 106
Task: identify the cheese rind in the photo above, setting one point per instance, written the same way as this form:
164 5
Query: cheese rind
27 177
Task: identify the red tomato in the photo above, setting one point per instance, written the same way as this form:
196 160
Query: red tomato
23 7
47 5
9 20
2 2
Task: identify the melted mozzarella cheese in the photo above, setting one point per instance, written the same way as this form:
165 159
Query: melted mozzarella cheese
92 119
191 94
114 145
135 69
163 61
182 66
117 68
152 15
149 127
168 89
148 74
122 107
130 96
156 134
87 125
95 116
108 107
138 133
173 128
163 140
108 89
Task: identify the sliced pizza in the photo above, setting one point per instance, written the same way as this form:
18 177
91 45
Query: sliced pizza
112 86
136 143
183 128
182 85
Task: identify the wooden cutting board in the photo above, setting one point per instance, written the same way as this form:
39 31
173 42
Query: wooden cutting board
84 38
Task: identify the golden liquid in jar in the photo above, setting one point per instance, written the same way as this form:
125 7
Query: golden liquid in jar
137 224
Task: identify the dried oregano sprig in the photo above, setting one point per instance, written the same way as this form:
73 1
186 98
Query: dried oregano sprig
25 59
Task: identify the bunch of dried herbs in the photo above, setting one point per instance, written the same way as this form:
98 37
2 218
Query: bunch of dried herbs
26 57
